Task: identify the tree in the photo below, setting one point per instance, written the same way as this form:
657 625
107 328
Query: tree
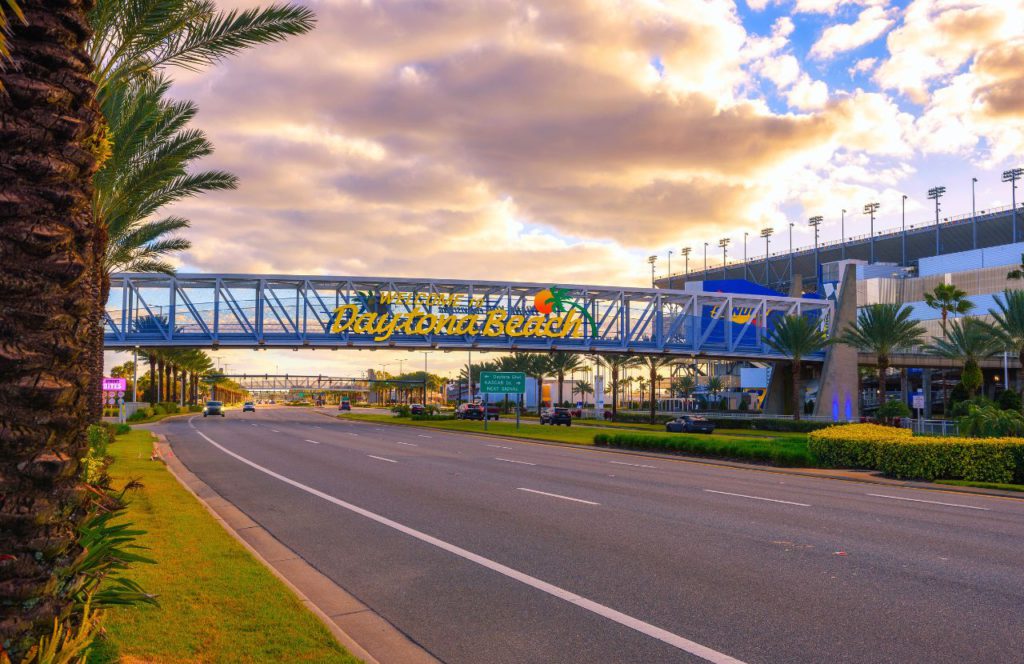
52 145
882 329
561 362
971 341
796 337
616 363
1017 272
1009 322
948 299
584 388
652 363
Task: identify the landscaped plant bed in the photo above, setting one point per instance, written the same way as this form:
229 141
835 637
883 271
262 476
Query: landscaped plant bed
792 452
898 453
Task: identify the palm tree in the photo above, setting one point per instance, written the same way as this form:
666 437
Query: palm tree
560 362
684 385
796 337
970 340
1009 322
652 363
948 299
584 388
52 145
1017 272
882 329
642 384
616 363
5 26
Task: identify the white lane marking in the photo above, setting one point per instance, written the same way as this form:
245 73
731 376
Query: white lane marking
770 500
381 458
312 441
525 463
626 620
500 447
254 425
351 434
635 465
423 435
555 495
932 502
409 444
275 431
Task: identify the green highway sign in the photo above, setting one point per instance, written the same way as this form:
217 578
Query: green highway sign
502 382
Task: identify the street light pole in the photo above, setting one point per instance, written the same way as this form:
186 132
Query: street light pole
652 260
842 233
685 251
135 374
903 225
815 221
974 215
935 193
723 243
705 260
871 209
745 234
1012 176
425 353
791 224
668 270
766 233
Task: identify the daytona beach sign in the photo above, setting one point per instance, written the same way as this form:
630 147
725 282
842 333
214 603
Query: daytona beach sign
553 316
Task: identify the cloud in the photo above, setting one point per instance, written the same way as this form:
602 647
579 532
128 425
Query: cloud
869 26
863 66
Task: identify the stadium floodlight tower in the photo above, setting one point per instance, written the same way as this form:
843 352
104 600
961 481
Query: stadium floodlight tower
871 209
934 194
766 233
815 221
652 260
685 253
723 243
842 232
1012 176
746 234
705 260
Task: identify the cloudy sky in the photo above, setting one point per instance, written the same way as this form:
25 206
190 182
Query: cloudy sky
565 141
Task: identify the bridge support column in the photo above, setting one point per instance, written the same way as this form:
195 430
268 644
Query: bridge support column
838 396
904 386
926 386
780 390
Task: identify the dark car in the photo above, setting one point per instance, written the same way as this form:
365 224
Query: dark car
556 416
690 424
213 408
248 407
475 411
344 405
417 409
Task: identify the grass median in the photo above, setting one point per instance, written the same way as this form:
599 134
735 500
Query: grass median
790 450
217 602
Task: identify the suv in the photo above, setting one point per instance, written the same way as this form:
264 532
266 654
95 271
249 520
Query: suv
475 411
690 424
417 409
248 407
213 408
556 416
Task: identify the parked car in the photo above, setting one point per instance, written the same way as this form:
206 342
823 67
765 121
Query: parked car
555 416
690 424
213 408
475 411
248 407
344 405
417 409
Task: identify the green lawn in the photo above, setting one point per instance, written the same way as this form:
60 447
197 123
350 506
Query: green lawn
217 603
983 485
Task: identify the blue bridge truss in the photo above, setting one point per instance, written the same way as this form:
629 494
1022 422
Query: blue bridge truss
282 311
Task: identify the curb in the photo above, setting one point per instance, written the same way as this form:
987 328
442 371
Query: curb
862 476
361 630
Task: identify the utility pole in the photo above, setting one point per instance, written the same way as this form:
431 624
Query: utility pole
1012 176
723 243
935 193
814 222
871 209
766 233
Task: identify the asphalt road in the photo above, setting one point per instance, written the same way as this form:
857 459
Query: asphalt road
487 550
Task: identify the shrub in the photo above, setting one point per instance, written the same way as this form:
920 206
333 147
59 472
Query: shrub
779 451
433 417
991 422
122 429
960 408
768 424
99 437
892 409
401 410
958 395
898 453
1009 400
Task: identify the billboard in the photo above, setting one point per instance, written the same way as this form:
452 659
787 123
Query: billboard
115 384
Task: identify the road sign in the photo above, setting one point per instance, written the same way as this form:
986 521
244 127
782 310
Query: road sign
502 382
115 384
918 401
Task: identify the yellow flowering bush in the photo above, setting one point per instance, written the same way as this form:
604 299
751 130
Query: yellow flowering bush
898 453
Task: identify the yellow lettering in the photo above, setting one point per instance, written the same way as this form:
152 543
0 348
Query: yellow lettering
364 323
467 325
514 325
495 325
425 324
340 325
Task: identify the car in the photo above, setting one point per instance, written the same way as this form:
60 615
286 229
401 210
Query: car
555 416
248 407
213 408
417 409
344 405
475 411
690 424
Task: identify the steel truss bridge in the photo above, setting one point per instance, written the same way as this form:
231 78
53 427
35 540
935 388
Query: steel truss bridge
287 382
281 311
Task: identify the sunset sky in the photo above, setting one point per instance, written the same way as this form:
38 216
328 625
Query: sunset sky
565 141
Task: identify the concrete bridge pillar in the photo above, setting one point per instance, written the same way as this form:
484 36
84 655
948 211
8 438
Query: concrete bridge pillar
926 386
838 396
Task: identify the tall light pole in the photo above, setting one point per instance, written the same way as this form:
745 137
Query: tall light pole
974 215
934 194
705 260
903 225
1012 176
842 233
791 225
745 234
766 233
685 252
668 271
871 209
723 243
815 221
135 374
652 260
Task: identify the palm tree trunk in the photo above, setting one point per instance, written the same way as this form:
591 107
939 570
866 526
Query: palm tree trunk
152 378
49 130
797 401
654 374
615 391
561 380
883 366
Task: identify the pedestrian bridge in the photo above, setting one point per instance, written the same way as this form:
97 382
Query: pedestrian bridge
283 311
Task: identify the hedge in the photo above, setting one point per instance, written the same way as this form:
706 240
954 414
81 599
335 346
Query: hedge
779 451
766 424
898 453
